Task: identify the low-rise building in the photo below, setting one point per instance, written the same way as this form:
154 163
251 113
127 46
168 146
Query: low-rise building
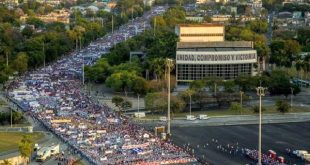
200 33
62 15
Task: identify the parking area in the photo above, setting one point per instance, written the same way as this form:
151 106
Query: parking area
209 143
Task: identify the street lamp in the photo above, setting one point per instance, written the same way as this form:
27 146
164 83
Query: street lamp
138 102
292 92
241 94
169 65
190 104
260 92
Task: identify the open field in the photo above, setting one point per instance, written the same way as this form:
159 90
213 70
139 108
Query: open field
10 140
277 137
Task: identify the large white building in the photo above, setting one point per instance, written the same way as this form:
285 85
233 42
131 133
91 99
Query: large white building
210 56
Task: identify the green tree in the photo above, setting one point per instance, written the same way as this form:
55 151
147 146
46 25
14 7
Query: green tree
292 49
235 107
197 85
121 103
157 102
26 146
279 83
126 81
35 21
258 26
282 106
117 101
99 71
256 109
20 64
245 82
157 65
126 105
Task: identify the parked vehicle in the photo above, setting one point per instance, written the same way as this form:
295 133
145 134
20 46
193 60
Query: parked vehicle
299 153
203 117
306 157
46 152
190 117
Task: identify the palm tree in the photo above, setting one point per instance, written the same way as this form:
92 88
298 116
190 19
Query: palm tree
79 32
157 65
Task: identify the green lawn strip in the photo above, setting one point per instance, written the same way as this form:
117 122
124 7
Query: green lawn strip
10 140
2 103
245 111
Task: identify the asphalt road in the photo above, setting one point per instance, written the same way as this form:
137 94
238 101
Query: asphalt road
277 137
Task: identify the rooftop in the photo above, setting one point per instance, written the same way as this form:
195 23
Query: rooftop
225 44
201 25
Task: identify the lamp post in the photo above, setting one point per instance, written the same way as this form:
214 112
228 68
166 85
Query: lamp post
292 92
169 65
241 94
11 118
190 104
215 86
138 103
260 92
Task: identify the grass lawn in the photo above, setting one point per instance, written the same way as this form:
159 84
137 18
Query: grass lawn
79 162
223 112
10 140
2 103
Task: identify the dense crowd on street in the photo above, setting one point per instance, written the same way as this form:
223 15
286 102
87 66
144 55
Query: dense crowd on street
54 96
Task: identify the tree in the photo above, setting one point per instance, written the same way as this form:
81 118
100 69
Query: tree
282 106
20 64
157 102
121 81
259 26
262 53
245 82
256 109
229 86
278 55
127 81
99 71
35 21
158 67
117 101
235 107
126 105
197 85
26 146
121 103
279 83
292 49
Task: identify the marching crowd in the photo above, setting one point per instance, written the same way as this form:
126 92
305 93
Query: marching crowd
54 96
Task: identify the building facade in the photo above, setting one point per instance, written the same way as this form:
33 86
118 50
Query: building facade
197 60
200 33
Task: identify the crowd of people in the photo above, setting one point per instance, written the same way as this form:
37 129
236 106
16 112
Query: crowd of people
54 96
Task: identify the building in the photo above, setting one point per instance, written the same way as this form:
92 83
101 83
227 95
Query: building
201 1
148 2
62 15
200 33
225 59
